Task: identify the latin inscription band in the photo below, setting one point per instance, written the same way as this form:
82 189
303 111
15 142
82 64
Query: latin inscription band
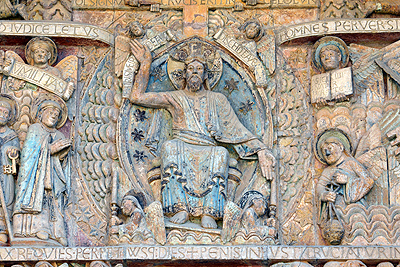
318 28
199 252
55 29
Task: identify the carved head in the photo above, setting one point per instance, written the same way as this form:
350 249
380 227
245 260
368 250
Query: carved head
252 30
5 110
331 145
330 57
131 201
8 110
196 74
330 53
185 54
98 264
256 200
50 114
332 150
41 51
260 206
129 204
50 110
43 264
136 29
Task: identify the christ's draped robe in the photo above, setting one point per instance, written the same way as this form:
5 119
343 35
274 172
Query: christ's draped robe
194 164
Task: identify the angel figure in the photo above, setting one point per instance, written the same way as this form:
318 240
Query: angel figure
334 84
250 219
347 179
41 54
369 66
126 65
261 42
7 9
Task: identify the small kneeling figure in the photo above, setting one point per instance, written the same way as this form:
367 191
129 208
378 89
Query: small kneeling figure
134 229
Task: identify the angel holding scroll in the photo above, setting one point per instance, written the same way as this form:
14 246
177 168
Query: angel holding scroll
41 54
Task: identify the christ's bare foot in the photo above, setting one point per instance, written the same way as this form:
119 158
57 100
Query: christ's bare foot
180 217
208 222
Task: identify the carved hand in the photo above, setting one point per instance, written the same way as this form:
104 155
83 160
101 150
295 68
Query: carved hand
4 62
329 196
141 52
115 221
341 178
341 98
321 102
59 145
68 91
267 162
12 152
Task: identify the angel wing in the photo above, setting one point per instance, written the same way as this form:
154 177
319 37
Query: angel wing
231 221
369 63
9 83
266 51
155 221
371 153
367 75
69 68
375 161
122 52
11 54
390 63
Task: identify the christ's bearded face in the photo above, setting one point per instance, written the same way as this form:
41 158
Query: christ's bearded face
195 76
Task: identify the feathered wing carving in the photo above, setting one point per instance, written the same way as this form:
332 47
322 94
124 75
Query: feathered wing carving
96 150
369 64
367 75
390 61
293 113
69 68
266 51
375 161
122 52
10 83
24 98
11 54
371 153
